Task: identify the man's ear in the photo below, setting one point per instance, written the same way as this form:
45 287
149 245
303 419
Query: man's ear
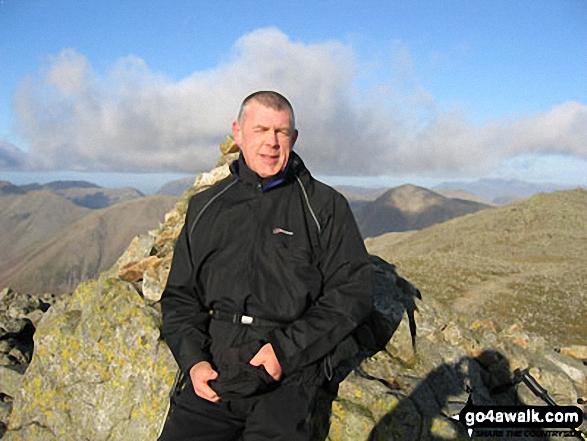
236 133
293 138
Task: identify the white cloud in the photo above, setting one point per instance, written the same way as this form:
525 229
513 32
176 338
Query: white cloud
11 158
136 120
561 130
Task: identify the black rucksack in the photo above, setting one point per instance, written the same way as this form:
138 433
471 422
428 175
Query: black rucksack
392 297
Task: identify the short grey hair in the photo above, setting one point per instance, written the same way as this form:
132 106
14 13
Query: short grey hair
271 99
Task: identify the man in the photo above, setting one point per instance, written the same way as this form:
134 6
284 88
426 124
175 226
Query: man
269 274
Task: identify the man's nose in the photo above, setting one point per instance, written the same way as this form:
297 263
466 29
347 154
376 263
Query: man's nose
272 138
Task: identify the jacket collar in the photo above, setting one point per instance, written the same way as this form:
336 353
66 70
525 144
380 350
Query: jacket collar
240 169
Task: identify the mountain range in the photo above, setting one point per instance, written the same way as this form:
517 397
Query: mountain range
81 193
501 191
409 207
56 235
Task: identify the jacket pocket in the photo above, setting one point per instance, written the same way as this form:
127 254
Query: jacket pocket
242 381
237 378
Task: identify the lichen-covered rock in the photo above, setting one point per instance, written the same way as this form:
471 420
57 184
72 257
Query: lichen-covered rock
228 146
155 278
100 370
10 381
576 351
395 396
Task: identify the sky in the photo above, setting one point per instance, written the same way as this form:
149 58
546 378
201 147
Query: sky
385 92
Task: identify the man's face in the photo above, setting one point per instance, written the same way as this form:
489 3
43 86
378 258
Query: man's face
265 138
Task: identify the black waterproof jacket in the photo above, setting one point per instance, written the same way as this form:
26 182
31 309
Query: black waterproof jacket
285 249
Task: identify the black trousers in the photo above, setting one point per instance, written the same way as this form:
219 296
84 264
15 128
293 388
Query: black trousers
294 411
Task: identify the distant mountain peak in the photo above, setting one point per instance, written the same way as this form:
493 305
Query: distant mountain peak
65 185
410 198
9 188
410 207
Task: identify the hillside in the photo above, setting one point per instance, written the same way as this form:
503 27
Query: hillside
354 193
176 187
523 263
82 193
88 246
502 191
96 198
409 207
27 221
8 188
462 194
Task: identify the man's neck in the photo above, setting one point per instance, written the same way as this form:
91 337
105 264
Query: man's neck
263 183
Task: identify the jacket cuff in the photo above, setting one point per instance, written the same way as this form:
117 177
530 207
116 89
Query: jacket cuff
188 365
287 368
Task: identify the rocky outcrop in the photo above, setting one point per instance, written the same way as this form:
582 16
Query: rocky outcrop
100 370
400 394
19 315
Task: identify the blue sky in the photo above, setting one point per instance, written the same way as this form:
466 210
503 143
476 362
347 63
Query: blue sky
385 92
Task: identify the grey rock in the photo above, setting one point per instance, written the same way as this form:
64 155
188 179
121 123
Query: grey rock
100 370
10 381
20 357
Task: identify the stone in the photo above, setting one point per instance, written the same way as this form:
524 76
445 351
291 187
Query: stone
5 346
574 369
139 248
206 180
228 146
154 280
35 317
19 357
5 409
487 324
576 351
100 370
10 381
5 292
11 325
400 344
133 271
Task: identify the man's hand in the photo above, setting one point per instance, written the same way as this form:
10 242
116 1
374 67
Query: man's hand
266 357
200 374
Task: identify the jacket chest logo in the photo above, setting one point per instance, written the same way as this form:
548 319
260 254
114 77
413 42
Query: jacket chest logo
278 230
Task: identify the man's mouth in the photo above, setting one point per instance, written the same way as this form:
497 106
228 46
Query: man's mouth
269 158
